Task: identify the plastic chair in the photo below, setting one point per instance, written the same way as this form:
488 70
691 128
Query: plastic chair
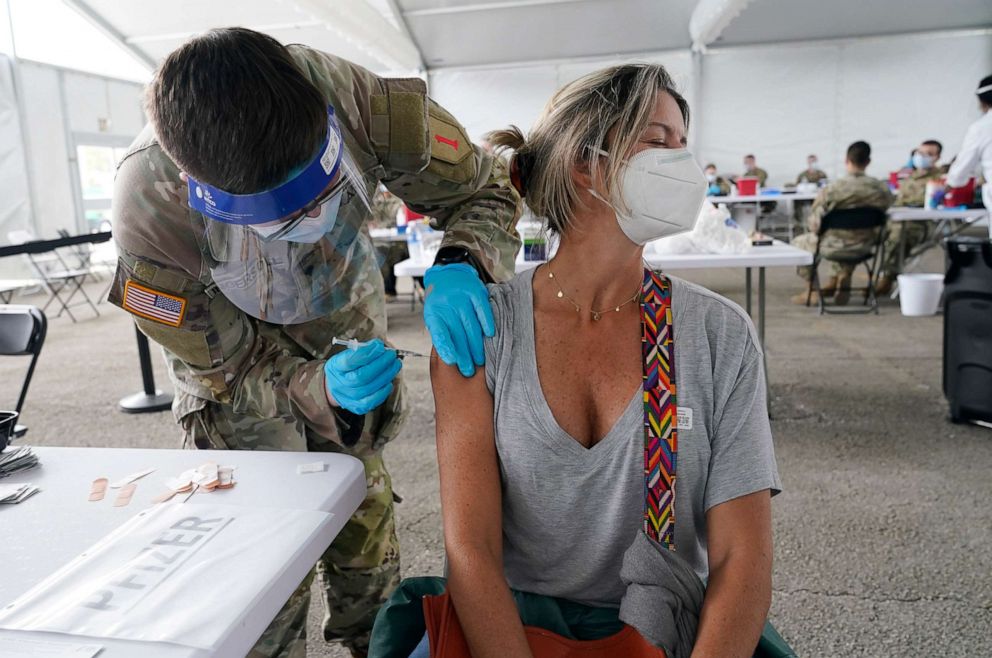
22 333
852 219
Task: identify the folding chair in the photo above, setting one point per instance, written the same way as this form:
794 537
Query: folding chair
83 254
22 333
852 218
56 276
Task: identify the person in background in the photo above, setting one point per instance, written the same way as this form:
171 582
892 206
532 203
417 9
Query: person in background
855 190
811 174
977 148
751 168
908 168
385 209
926 167
717 185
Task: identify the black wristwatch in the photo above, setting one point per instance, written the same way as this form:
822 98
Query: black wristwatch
452 255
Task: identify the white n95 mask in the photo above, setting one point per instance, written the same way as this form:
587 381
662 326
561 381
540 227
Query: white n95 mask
663 190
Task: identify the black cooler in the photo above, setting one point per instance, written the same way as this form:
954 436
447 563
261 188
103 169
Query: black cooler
968 329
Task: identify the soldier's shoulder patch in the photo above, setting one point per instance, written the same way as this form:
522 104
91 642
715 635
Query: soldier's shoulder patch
449 143
153 304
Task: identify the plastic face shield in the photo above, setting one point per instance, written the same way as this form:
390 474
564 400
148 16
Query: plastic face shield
287 199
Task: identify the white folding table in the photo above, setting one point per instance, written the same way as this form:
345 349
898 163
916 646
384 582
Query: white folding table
758 199
761 198
778 254
943 217
48 530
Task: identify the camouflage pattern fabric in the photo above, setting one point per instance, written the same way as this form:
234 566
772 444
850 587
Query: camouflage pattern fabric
807 176
912 190
759 173
246 384
723 184
905 237
853 191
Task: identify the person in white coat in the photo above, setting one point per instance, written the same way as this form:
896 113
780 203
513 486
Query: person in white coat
977 148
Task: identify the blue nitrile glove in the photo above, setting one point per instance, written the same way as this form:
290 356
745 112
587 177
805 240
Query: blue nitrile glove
360 380
714 190
457 313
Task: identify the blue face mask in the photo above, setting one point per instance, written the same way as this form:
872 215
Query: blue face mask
921 161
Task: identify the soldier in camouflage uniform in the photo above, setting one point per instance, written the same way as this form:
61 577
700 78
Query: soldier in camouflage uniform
385 208
856 190
904 237
810 174
246 379
752 169
717 185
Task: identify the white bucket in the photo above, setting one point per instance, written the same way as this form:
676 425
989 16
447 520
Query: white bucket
919 294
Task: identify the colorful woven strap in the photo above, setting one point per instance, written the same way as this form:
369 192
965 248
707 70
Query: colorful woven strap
660 413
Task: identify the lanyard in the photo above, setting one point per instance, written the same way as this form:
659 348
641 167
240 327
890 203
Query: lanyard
660 409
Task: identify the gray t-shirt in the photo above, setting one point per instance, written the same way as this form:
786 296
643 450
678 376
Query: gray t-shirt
570 512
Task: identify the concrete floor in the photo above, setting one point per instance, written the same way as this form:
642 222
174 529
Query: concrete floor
883 535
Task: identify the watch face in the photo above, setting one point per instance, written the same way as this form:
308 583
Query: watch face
450 255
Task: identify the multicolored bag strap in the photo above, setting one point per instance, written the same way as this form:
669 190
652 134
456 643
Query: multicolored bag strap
660 409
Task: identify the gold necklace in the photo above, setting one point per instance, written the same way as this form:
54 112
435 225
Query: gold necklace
596 315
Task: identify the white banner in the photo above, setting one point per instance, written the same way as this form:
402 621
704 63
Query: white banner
184 574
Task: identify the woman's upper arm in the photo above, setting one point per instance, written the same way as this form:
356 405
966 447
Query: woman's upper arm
471 497
742 526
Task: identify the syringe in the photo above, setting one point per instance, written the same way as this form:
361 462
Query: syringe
354 344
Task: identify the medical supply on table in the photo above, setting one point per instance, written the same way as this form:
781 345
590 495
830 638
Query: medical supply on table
354 344
17 460
933 196
11 494
203 479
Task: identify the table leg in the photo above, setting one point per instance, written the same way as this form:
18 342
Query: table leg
761 337
761 306
747 290
901 256
150 399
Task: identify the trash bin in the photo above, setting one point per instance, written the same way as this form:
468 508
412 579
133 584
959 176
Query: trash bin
8 421
968 329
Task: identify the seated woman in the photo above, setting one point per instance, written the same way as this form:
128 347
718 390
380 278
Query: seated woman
548 497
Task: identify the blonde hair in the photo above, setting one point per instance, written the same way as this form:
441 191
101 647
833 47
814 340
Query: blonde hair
574 126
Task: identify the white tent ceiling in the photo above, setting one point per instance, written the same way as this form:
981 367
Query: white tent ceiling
407 35
765 21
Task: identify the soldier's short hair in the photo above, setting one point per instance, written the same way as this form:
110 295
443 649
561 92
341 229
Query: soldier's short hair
859 154
749 156
711 166
986 96
934 142
232 109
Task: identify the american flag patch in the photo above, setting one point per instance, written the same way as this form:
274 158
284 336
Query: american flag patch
153 305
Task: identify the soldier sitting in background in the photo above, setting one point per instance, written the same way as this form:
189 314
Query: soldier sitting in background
752 169
856 190
717 185
904 237
810 174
